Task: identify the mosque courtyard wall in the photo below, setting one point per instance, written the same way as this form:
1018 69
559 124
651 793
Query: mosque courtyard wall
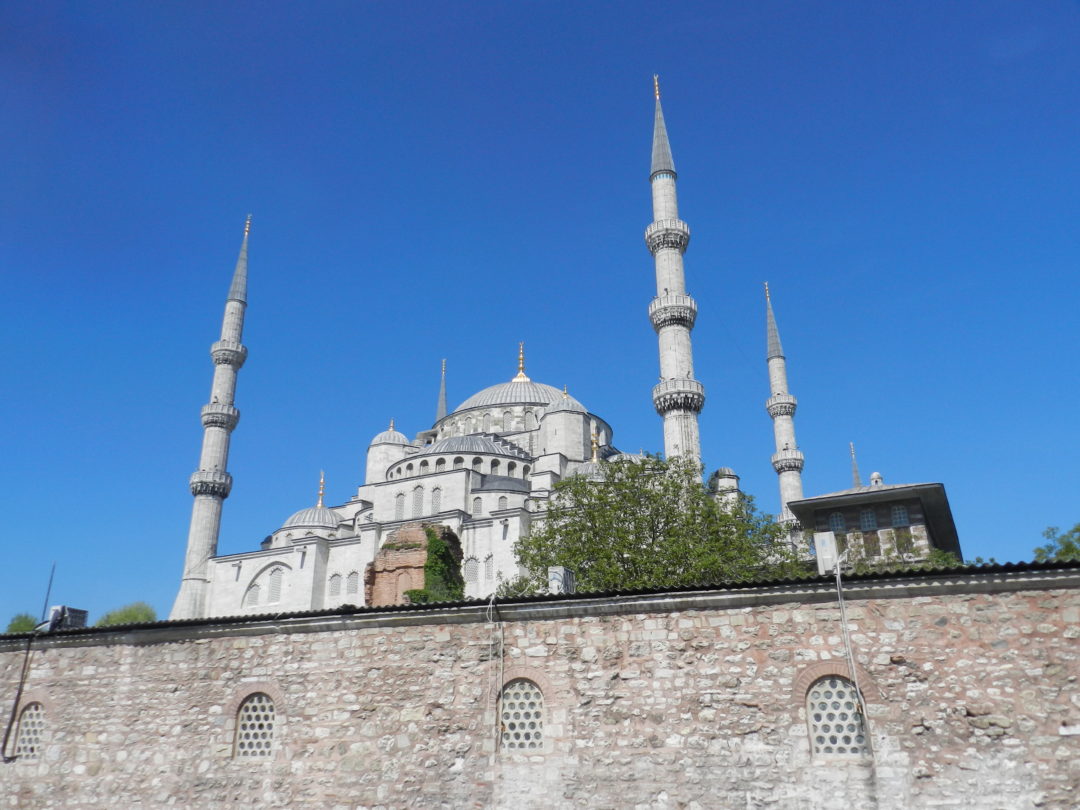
693 700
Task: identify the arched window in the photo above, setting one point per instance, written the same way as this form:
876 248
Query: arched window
900 516
507 421
477 506
335 585
440 465
521 716
436 501
487 423
476 464
417 501
255 721
274 591
399 506
469 425
489 568
835 718
868 520
530 420
836 523
525 471
459 462
502 501
472 570
424 468
251 597
352 582
31 731
409 470
511 468
495 466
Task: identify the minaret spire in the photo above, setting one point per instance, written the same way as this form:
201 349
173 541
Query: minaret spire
678 397
210 484
856 479
787 460
440 409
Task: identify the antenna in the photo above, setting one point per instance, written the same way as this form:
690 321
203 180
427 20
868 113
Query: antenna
48 591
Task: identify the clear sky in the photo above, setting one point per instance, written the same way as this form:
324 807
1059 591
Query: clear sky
442 179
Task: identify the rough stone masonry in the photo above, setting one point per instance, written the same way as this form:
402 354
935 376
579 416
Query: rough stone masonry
659 700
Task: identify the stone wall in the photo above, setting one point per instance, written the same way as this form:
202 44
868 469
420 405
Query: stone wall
690 700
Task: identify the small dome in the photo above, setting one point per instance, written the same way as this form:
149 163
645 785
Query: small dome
565 402
390 436
726 472
314 517
475 443
512 393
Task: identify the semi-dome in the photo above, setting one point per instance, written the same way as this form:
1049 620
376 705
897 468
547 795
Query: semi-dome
390 436
565 402
475 443
314 517
515 392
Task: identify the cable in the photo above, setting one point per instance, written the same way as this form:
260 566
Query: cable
851 654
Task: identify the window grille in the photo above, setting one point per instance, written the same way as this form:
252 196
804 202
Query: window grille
352 583
507 421
440 465
399 506
900 516
487 423
502 502
436 501
476 464
31 730
521 716
255 723
424 468
477 506
495 467
252 596
867 520
472 570
489 568
834 717
836 523
459 462
274 594
511 468
335 585
418 501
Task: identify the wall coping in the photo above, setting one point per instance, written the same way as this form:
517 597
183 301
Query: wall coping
817 591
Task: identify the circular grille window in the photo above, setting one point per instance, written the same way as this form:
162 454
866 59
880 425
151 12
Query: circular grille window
836 722
521 716
31 730
255 726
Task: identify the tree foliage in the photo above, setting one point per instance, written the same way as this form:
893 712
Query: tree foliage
1060 547
649 524
21 623
442 572
135 613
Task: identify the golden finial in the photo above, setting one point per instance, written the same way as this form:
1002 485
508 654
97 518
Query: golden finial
565 394
444 365
766 291
656 85
521 364
391 423
247 225
595 447
322 486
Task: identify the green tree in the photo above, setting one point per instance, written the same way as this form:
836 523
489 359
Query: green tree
649 524
135 613
21 623
1060 547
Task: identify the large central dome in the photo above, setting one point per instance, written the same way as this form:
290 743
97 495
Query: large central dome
512 393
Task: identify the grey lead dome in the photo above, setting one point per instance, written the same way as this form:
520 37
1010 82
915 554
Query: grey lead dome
512 393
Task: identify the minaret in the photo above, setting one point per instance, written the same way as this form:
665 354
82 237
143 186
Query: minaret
678 397
210 484
787 461
440 408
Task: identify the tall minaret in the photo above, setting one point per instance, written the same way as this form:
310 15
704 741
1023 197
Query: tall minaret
678 397
787 461
440 408
210 484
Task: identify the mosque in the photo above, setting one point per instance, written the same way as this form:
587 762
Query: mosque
485 469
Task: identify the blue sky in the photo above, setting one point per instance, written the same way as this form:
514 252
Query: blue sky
436 180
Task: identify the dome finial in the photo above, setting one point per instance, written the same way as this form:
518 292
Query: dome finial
521 364
391 423
656 85
565 393
322 487
247 225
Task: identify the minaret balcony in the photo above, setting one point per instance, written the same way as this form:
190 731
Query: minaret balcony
667 233
211 482
781 405
787 460
229 353
672 310
679 394
221 416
